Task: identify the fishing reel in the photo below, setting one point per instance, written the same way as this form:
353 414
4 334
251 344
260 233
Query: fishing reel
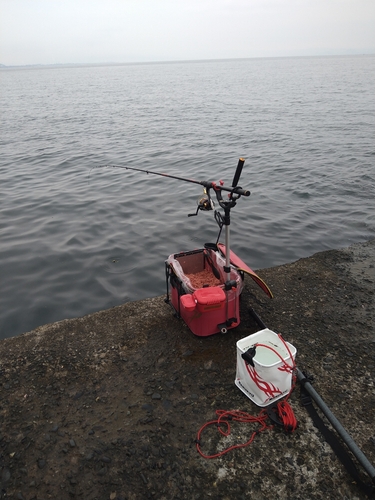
205 203
235 192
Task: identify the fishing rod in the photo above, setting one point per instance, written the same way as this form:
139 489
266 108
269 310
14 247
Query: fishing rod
234 189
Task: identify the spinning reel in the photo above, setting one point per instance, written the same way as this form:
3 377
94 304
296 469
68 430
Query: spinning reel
206 203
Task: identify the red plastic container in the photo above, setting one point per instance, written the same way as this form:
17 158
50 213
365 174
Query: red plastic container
210 309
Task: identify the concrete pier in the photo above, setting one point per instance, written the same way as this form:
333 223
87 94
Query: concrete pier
108 406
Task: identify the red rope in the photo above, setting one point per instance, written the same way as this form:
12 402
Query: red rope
286 415
224 418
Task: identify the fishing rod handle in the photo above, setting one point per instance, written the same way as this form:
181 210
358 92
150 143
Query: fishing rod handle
237 174
234 190
240 191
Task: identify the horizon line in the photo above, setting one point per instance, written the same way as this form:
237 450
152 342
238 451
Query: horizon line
176 61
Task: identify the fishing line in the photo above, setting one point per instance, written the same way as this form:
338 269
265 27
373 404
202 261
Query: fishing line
99 166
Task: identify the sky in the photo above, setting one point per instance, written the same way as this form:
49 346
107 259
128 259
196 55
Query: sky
125 31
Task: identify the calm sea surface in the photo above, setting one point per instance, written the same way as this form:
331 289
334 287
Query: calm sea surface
75 238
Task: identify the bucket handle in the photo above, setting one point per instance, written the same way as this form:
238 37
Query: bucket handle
249 355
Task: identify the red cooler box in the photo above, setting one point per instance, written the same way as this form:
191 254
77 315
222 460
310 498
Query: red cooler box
198 291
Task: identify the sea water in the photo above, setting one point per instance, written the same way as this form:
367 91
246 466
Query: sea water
77 238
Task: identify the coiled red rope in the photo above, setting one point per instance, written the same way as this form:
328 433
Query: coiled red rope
223 426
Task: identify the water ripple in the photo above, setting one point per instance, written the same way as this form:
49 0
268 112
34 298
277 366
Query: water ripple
76 238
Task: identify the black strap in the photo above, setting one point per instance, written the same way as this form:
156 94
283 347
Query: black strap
335 444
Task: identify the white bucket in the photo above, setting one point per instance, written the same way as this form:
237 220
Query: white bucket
269 379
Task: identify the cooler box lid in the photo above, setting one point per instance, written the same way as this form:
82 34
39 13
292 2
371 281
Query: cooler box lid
210 295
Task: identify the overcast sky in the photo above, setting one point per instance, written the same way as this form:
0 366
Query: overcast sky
96 31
